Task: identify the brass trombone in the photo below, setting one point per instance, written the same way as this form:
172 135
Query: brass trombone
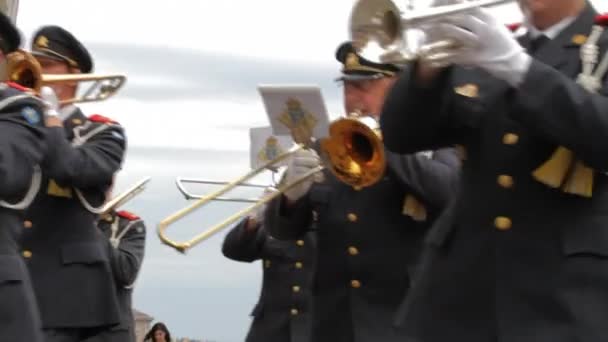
180 181
353 152
125 196
379 29
24 69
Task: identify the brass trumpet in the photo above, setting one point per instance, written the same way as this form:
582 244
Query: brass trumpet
24 69
379 29
353 152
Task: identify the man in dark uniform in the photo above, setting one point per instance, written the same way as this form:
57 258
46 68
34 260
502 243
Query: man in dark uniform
522 254
125 234
21 153
66 255
283 311
368 239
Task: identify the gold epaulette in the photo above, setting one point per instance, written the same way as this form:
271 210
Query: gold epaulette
565 172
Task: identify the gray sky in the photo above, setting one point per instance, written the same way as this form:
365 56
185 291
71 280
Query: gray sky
192 68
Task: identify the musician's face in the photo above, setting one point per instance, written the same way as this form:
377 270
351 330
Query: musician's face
366 96
52 66
540 6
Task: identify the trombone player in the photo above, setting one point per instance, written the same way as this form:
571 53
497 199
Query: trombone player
125 238
283 311
63 250
21 152
368 239
522 252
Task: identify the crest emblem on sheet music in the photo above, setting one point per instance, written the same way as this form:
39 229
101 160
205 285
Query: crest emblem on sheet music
271 150
265 146
298 120
296 110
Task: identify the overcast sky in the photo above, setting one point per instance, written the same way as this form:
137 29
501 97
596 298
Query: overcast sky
192 68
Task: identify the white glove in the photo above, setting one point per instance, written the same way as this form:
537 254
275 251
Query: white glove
483 42
436 3
51 102
302 162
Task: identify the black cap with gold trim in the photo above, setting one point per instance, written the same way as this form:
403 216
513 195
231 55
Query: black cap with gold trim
56 42
10 39
355 67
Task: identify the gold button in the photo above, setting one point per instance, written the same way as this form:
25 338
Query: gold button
355 284
352 217
295 288
503 223
300 243
353 250
510 139
27 254
27 224
267 263
76 121
294 312
298 264
505 181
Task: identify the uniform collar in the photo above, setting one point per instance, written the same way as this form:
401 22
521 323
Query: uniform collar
552 31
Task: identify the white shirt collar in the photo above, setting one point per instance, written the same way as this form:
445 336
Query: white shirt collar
552 31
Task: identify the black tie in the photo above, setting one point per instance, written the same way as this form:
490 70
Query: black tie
537 43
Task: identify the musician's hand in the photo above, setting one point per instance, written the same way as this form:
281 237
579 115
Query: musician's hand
302 162
51 103
483 42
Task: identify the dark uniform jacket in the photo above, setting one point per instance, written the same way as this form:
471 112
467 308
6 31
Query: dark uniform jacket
66 255
283 311
367 246
125 234
21 151
514 260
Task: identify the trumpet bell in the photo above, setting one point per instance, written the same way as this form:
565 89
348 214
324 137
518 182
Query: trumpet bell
377 21
354 151
382 32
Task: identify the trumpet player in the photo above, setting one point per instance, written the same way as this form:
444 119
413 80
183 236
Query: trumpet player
369 238
283 311
124 234
64 252
21 154
522 252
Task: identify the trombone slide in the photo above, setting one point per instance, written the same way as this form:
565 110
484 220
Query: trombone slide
125 196
189 195
183 246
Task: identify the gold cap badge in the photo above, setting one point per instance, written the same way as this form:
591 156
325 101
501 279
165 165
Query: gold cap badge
42 41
